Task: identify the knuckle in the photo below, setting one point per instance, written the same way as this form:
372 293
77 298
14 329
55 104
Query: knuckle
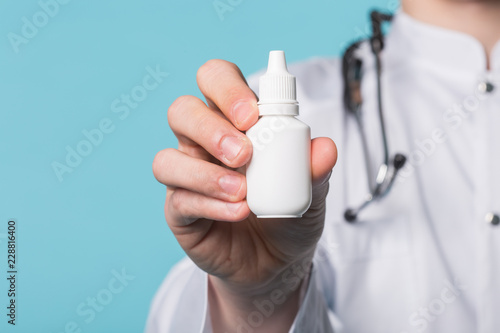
233 67
210 130
180 208
157 163
161 162
167 209
176 108
176 201
235 94
212 188
208 179
210 67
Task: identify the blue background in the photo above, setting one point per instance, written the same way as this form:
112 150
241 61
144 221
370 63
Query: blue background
107 214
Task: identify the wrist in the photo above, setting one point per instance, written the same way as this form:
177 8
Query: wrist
267 308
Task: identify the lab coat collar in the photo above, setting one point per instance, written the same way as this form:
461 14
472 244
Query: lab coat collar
410 39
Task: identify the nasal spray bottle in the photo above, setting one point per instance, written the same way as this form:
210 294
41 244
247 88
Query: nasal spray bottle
279 173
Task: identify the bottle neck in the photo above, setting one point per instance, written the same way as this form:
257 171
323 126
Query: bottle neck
285 109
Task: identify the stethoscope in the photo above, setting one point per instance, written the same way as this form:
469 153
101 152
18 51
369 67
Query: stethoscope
352 74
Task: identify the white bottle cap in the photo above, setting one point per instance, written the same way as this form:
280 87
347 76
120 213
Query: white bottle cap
277 88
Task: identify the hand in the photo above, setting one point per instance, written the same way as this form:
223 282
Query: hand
205 205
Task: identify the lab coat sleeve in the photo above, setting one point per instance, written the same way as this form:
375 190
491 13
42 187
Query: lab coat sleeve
316 309
181 303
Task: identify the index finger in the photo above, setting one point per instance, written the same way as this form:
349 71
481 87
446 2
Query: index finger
224 86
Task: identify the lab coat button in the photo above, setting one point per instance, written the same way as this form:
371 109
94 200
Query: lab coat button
485 87
492 218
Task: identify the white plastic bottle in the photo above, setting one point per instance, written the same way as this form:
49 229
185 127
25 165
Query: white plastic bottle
279 173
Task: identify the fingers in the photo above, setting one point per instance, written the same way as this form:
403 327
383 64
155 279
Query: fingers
183 207
176 169
193 123
205 190
224 86
198 126
323 159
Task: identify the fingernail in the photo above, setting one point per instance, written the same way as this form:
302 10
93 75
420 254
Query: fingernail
230 184
241 112
233 207
231 147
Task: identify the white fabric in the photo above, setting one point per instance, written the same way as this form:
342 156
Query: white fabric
423 259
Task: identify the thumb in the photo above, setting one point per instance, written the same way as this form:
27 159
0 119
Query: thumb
323 159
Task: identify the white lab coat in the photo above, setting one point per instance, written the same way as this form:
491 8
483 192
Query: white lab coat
423 259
